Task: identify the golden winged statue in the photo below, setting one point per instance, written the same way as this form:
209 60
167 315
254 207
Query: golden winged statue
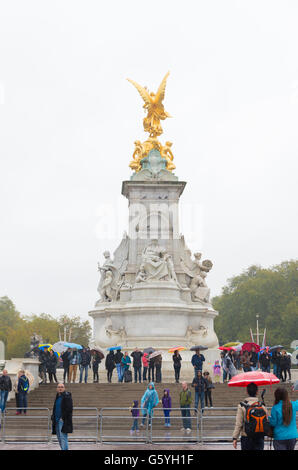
154 107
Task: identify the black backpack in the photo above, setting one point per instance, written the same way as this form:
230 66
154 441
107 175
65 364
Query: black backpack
256 421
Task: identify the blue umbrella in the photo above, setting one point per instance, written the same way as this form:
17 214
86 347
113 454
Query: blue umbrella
73 345
114 348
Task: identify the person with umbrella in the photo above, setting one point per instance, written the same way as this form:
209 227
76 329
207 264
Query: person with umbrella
96 360
265 360
177 365
110 365
118 358
52 366
84 364
285 366
65 360
247 443
197 361
276 357
74 361
283 420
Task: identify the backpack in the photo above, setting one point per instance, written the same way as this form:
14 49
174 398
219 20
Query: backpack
24 385
256 424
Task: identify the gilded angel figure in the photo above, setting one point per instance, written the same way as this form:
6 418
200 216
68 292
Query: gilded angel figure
154 107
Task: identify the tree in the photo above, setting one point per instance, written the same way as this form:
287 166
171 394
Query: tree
16 330
272 293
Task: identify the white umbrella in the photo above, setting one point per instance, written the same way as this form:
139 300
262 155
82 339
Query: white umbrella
59 347
155 354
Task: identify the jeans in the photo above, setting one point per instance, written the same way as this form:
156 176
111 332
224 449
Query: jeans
145 369
276 370
61 436
200 396
65 373
226 375
135 426
22 400
265 368
177 373
119 372
158 373
138 372
185 412
145 416
286 444
82 369
167 417
3 399
252 444
151 374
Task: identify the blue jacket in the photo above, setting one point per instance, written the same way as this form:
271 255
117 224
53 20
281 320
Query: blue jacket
197 361
282 432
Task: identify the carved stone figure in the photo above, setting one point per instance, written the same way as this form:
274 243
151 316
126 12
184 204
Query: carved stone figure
121 333
197 272
192 334
112 272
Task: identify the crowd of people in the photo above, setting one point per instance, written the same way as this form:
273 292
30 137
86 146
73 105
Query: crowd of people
279 360
73 360
198 394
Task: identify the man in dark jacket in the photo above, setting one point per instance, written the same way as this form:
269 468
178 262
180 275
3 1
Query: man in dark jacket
276 356
137 364
65 359
197 361
85 364
5 388
265 361
62 416
200 385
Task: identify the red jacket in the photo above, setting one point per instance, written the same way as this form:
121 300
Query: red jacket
145 360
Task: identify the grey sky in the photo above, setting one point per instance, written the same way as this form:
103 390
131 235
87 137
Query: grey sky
69 118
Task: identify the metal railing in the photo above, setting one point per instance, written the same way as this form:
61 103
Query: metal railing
114 425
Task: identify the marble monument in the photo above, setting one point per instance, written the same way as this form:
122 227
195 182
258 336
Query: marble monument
153 292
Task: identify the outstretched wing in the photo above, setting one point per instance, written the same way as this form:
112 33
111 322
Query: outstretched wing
143 92
121 255
161 90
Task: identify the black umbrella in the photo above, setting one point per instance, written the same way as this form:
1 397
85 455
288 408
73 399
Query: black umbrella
149 350
195 348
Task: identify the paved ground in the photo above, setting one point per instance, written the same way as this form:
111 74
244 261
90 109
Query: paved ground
105 447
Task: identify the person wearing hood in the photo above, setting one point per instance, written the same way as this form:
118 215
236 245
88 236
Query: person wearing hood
135 413
167 406
148 402
145 366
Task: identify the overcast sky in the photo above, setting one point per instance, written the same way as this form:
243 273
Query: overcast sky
69 118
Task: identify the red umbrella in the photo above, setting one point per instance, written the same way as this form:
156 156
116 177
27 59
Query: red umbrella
257 377
226 348
248 346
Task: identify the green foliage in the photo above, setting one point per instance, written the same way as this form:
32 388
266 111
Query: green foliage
271 293
16 330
